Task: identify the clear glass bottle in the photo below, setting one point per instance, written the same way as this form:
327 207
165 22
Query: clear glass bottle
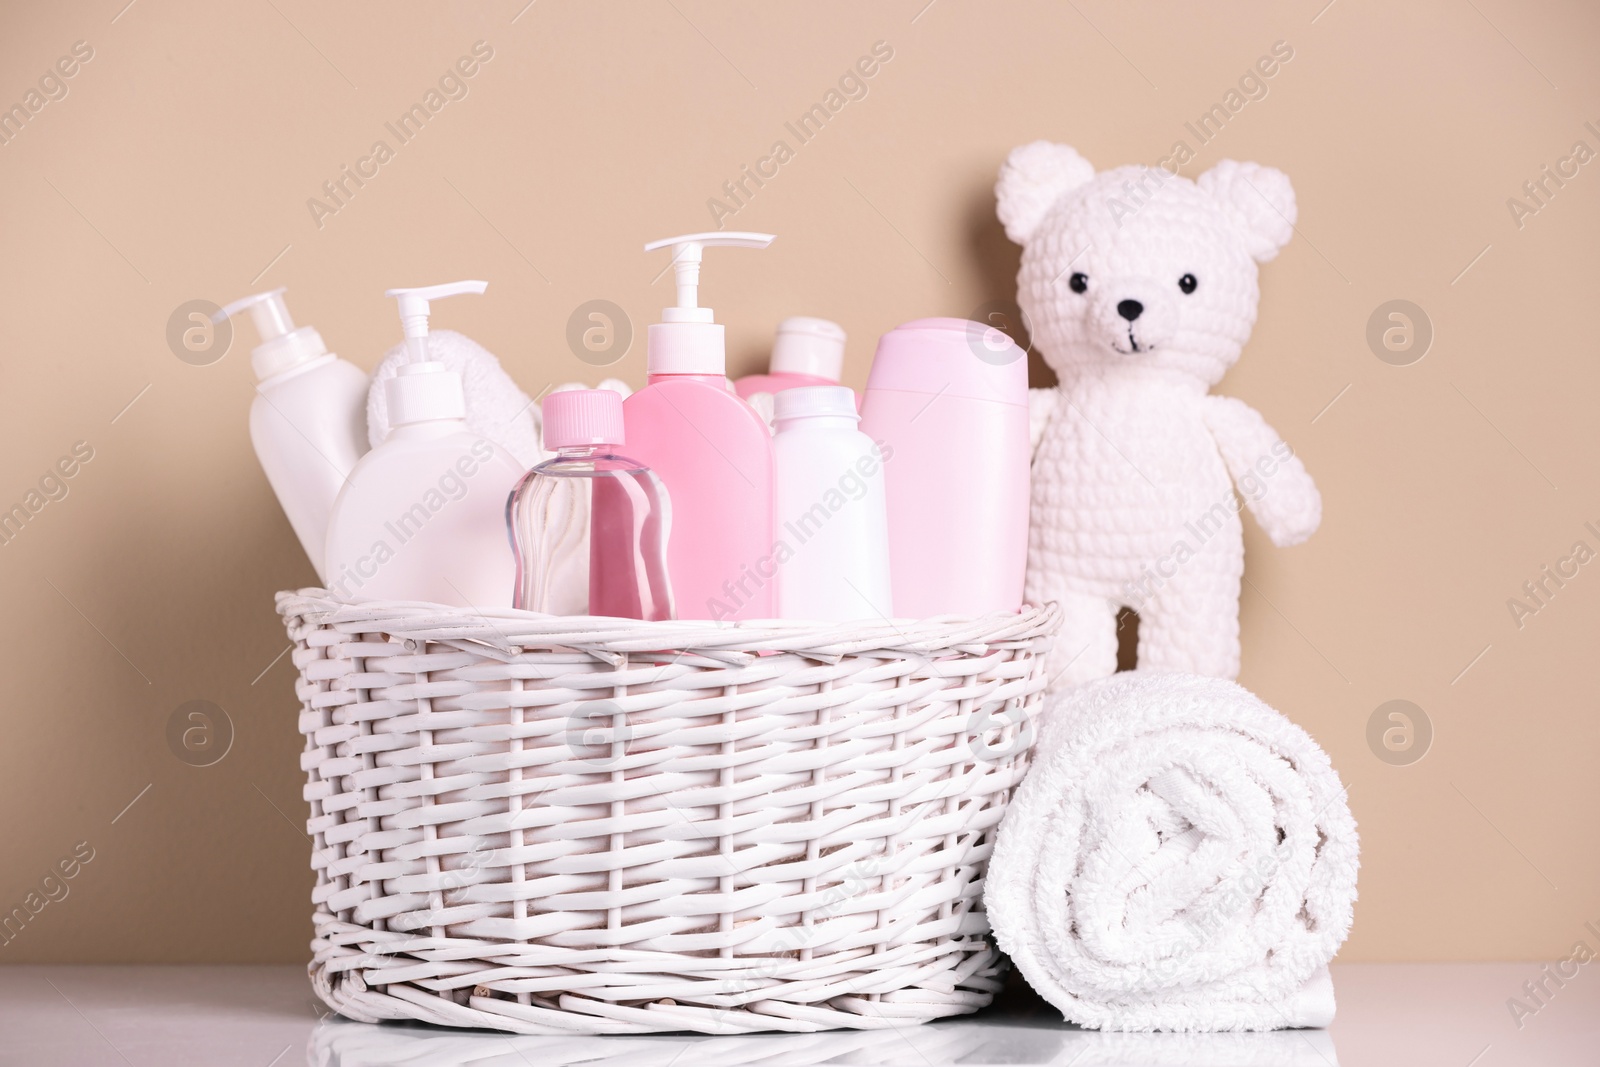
589 519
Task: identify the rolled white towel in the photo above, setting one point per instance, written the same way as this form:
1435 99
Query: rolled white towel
1179 857
616 385
496 407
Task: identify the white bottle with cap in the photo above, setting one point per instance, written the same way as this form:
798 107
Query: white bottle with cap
308 421
833 516
423 516
806 351
709 448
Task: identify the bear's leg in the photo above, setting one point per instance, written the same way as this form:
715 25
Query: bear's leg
1086 647
1192 624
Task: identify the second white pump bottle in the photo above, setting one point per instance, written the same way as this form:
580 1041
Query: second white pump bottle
423 514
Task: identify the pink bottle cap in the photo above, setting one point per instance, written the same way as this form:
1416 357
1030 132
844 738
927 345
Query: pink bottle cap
577 417
951 357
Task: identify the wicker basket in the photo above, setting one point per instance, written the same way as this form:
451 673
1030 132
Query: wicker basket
583 825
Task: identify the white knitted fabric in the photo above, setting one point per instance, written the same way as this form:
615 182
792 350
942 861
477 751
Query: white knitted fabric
616 385
1134 463
496 407
1180 857
766 406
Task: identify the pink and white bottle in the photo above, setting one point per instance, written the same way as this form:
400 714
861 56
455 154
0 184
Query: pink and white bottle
619 559
806 351
950 399
710 449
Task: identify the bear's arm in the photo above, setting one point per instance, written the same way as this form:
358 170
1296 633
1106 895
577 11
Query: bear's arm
1269 476
1042 405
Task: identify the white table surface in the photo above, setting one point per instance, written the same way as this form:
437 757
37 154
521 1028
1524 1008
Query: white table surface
1416 1015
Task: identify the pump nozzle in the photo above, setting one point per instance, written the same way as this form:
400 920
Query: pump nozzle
414 312
686 255
688 340
267 310
424 389
282 346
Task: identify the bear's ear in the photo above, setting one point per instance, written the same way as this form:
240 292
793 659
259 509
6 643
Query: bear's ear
1033 178
1261 201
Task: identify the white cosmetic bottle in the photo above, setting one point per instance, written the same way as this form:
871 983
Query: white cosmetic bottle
833 526
423 514
308 421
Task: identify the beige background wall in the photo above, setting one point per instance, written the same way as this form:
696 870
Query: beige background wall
178 167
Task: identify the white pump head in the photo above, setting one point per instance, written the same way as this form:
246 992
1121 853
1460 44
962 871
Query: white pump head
687 340
414 312
282 346
422 388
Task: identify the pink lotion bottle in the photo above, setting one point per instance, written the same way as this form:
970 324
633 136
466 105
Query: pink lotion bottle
948 400
806 351
710 449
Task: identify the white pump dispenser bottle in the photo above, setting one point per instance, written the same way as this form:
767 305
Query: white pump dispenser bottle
423 514
308 422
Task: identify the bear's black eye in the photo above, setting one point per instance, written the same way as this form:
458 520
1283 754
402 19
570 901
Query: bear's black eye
1187 283
1079 282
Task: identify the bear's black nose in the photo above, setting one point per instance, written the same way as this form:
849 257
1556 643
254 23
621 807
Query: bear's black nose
1130 309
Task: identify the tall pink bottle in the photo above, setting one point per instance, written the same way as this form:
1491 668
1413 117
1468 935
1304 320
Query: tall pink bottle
710 449
948 401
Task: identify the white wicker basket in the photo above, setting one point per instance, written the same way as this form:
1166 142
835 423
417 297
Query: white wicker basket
583 825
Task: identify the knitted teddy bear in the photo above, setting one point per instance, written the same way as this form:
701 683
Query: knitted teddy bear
1139 288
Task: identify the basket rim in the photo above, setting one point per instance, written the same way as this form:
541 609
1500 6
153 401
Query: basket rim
511 632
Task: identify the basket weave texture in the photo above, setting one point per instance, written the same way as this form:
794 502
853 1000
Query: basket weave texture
583 825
